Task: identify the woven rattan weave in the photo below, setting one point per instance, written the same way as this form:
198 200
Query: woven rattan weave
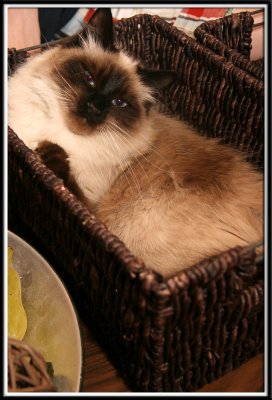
231 37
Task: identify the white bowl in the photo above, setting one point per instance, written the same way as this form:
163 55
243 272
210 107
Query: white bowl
52 324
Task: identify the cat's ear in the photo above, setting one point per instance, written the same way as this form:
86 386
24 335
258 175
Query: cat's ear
157 78
100 27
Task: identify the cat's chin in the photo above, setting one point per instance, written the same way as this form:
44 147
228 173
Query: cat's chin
83 127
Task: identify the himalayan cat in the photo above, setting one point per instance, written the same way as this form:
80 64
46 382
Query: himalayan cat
172 196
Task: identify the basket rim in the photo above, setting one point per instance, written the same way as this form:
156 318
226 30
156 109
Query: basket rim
202 34
208 56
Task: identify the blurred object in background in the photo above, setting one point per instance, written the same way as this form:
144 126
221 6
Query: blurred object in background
257 36
23 27
190 18
56 23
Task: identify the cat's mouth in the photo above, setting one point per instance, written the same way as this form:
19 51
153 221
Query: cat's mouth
93 112
85 121
94 115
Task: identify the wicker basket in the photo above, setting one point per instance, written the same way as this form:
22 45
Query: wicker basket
173 334
231 37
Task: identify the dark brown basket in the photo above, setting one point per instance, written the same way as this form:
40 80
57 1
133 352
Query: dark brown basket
173 334
231 38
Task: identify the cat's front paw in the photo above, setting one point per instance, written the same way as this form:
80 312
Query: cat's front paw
55 158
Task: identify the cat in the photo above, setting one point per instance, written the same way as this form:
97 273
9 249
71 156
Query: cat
172 196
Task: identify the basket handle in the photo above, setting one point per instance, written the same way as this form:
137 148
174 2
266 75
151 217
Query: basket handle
41 45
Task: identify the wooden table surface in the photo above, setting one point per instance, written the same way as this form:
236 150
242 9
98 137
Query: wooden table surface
99 374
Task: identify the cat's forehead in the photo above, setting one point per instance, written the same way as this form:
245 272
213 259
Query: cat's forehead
95 51
92 56
110 70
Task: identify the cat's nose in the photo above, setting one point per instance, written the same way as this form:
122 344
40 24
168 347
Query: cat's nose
92 109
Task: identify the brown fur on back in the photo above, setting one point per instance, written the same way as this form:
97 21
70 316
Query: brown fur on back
186 198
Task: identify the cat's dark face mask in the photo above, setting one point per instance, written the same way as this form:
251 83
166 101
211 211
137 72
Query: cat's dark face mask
99 89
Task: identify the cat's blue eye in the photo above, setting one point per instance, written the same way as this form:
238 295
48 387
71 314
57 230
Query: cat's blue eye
89 78
119 103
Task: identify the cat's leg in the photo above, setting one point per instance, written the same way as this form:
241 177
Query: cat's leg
56 158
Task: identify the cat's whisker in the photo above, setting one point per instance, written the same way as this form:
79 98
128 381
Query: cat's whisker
89 190
100 171
62 77
136 154
102 175
107 143
59 95
150 145
124 161
120 130
65 97
66 90
120 163
129 145
127 164
121 160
